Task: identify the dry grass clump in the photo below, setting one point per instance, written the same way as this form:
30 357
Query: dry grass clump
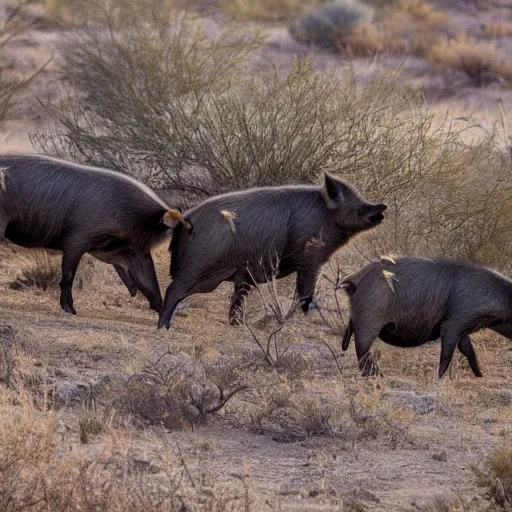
481 61
38 269
455 504
267 9
405 26
374 417
495 474
8 359
498 29
286 409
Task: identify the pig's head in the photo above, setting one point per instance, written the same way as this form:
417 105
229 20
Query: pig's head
350 209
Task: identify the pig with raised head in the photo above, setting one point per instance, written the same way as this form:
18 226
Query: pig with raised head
246 237
408 301
53 204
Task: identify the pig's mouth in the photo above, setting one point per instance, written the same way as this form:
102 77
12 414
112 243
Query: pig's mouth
376 219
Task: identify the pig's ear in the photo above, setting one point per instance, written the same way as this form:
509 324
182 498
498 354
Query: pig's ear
171 218
332 191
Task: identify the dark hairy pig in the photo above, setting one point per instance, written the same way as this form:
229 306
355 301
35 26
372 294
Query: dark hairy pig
53 204
246 236
408 301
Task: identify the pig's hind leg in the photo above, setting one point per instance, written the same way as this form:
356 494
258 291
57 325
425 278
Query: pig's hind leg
466 348
366 332
71 255
142 269
127 279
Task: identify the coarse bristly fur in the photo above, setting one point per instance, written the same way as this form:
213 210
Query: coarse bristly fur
246 236
53 204
429 299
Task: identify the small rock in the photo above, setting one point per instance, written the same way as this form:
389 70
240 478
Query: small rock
288 437
422 404
73 393
440 457
141 460
143 463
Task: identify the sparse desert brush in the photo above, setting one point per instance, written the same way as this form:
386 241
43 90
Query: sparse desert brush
40 269
498 29
481 61
182 111
174 392
61 10
267 9
40 472
495 474
331 24
8 360
421 9
407 26
455 504
11 82
37 269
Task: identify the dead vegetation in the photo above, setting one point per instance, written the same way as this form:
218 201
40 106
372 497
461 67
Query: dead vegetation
481 61
174 392
267 9
41 270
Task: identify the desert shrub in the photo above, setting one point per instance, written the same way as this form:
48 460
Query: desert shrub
408 26
267 9
267 332
329 25
153 83
495 475
481 61
498 29
179 111
12 82
174 392
454 504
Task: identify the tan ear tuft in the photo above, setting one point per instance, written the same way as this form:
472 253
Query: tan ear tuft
390 277
171 218
230 219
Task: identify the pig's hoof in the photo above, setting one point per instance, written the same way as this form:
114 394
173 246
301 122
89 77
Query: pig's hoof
69 309
133 291
164 322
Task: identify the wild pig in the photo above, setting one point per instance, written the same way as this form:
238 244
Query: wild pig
243 237
409 301
52 204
